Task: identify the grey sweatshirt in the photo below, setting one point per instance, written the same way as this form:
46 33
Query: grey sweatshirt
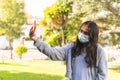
64 53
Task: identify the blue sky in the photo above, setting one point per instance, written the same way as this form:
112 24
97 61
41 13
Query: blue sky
36 7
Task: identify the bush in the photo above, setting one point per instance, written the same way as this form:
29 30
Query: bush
20 50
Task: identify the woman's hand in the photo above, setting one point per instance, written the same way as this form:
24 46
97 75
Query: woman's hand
32 32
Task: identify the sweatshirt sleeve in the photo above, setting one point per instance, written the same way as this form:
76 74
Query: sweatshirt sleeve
58 53
102 65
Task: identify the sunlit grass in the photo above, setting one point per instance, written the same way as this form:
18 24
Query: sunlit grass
114 72
32 70
40 70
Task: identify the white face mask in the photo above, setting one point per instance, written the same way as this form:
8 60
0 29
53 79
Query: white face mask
83 38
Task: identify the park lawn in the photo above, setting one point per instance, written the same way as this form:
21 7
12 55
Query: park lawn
32 70
40 70
114 72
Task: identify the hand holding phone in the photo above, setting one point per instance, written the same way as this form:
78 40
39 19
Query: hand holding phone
32 32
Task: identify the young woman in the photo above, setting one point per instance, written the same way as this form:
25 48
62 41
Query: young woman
85 58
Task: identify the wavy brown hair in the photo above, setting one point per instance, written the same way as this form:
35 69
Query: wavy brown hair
91 46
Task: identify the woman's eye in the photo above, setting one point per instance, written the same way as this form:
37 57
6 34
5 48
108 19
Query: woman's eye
81 30
86 33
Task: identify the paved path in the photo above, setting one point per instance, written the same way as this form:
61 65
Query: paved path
32 54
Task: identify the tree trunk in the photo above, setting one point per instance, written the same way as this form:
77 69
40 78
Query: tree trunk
20 56
11 48
63 42
63 22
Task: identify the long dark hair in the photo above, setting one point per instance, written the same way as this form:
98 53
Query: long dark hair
91 46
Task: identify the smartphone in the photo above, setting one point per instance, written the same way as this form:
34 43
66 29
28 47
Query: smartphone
34 26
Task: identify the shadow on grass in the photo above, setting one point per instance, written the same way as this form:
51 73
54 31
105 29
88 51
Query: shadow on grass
6 75
116 69
12 64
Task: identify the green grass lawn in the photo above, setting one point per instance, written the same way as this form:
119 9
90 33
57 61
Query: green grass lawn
40 70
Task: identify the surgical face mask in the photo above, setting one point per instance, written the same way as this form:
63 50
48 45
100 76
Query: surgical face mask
83 38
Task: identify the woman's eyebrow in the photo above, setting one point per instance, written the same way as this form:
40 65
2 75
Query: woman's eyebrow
83 30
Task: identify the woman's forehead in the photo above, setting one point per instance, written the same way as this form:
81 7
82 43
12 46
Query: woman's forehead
84 27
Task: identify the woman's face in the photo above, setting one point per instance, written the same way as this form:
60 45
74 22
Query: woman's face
84 30
83 35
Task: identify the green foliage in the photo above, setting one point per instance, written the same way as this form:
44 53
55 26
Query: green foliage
57 8
104 13
114 38
27 38
2 31
47 31
13 17
55 16
50 37
70 33
20 50
110 20
53 40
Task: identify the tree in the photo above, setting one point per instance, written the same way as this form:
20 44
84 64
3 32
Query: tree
105 12
111 20
55 17
13 18
20 50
